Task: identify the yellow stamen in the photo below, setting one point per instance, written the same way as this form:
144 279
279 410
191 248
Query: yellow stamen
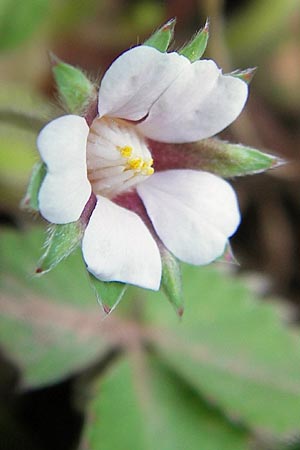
148 171
147 164
136 163
125 151
146 167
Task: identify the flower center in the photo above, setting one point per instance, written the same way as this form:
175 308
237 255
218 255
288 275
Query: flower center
117 157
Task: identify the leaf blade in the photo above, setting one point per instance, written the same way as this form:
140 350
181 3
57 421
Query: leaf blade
50 327
234 350
140 400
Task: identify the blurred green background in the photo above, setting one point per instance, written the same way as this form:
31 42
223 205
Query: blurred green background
227 376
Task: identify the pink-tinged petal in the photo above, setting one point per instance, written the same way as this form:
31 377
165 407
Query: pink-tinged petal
193 213
200 103
136 80
66 188
117 246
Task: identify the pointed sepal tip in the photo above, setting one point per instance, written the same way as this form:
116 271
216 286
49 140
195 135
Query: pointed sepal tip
74 87
171 280
161 39
30 201
246 75
61 241
108 293
197 46
229 160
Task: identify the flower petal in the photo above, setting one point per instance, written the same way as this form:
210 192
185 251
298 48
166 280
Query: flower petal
66 189
200 103
136 80
194 213
117 246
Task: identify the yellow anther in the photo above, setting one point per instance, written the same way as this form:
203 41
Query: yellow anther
147 164
148 171
136 163
125 151
146 167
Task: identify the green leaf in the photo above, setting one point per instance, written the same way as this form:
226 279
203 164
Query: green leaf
197 46
62 240
18 21
75 89
233 350
30 200
109 294
51 327
230 160
161 38
230 351
171 280
140 403
62 349
19 253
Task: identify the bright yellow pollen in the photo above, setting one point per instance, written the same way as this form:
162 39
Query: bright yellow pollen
125 151
136 164
146 167
148 171
147 163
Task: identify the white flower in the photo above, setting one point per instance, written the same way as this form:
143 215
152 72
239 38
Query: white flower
145 95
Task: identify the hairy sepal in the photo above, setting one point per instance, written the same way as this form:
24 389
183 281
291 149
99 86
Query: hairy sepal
171 281
75 89
62 240
30 201
231 160
197 46
162 37
109 294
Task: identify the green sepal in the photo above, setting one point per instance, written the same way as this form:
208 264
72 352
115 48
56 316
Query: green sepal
197 46
30 201
162 37
245 75
74 88
232 160
109 293
62 240
171 280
